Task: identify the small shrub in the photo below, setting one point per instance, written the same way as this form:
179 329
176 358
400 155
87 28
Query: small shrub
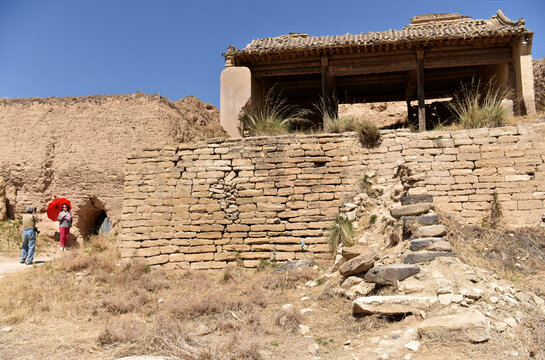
340 232
272 115
368 133
120 330
494 218
289 319
476 106
339 124
373 219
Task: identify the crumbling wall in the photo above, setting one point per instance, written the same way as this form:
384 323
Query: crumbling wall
76 147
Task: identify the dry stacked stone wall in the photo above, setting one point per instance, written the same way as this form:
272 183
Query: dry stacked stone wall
208 204
205 205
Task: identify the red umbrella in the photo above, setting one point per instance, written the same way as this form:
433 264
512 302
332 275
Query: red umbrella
55 207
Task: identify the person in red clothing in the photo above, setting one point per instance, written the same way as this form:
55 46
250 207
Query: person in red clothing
65 223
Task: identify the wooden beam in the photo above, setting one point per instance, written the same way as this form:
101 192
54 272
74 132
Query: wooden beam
325 76
420 89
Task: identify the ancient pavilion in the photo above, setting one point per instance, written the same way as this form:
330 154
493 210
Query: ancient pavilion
428 59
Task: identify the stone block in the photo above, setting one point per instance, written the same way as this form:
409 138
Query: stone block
411 210
422 257
359 264
392 305
389 274
470 327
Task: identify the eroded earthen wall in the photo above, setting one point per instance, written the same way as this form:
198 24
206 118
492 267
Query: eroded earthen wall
205 205
77 148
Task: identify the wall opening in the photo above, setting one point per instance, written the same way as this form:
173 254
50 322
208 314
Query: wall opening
92 218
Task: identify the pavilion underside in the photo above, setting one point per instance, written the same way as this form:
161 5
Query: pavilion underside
384 74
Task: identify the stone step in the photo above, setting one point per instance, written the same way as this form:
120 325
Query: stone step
419 199
392 305
422 257
389 274
420 220
411 210
424 243
430 231
411 222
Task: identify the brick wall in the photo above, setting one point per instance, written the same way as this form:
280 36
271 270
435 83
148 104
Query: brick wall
208 204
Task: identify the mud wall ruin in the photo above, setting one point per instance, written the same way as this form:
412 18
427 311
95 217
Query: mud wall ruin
76 147
208 204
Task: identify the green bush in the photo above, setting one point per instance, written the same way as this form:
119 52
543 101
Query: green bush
340 232
368 133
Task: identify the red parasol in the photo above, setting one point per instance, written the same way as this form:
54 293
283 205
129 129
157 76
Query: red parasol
55 207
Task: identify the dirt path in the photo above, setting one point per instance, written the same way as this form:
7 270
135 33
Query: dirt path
11 264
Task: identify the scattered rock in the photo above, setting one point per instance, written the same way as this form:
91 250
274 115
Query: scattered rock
474 294
511 322
501 326
470 327
6 329
306 311
287 307
303 329
389 274
295 264
413 345
392 305
494 299
350 252
359 264
313 349
350 282
457 298
361 289
445 299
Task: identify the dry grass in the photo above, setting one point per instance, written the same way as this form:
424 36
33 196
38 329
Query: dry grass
102 307
516 255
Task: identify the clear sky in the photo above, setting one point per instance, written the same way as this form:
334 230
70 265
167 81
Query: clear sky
78 48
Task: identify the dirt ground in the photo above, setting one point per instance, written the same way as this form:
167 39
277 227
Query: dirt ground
87 304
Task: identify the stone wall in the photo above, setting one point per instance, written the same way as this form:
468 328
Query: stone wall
205 205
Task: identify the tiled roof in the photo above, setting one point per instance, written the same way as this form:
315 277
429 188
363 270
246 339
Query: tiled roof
423 28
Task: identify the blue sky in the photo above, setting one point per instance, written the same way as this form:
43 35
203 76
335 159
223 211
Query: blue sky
78 48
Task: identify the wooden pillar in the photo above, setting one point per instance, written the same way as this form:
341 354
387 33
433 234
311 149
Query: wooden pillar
420 89
325 75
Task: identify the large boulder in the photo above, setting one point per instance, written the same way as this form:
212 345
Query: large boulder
468 327
359 264
295 264
392 305
389 274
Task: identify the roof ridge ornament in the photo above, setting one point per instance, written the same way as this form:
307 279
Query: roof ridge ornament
506 21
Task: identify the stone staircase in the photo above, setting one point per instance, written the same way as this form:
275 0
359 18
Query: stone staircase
421 227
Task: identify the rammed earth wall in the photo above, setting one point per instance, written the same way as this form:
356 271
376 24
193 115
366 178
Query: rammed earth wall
208 204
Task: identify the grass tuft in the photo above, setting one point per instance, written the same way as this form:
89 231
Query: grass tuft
340 232
272 115
478 106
